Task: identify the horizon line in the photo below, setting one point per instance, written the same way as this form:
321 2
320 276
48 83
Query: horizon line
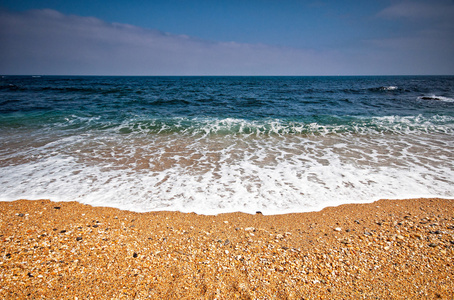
336 75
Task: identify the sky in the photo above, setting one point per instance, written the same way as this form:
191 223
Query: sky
227 37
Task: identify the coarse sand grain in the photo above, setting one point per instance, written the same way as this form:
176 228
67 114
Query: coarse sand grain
389 249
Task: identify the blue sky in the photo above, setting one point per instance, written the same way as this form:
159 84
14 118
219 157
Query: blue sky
249 37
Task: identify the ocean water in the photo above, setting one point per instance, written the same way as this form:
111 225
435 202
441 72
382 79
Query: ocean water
221 144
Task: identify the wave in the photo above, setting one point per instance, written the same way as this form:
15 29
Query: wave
384 88
12 87
216 174
323 126
436 98
82 122
95 89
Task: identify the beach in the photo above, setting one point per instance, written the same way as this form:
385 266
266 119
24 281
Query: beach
388 249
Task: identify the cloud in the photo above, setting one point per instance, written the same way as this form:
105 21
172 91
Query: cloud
423 17
46 41
435 9
423 37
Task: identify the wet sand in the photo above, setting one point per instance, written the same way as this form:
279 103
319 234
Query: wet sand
389 249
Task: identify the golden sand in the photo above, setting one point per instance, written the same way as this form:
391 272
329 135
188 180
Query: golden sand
389 249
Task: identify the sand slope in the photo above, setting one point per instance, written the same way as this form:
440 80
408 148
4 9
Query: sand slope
390 249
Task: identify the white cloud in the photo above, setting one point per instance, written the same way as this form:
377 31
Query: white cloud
46 41
423 38
436 9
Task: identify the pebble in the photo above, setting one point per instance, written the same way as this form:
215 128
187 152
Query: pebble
345 241
287 258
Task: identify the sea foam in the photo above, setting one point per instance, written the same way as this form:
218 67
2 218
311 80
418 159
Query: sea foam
226 174
222 144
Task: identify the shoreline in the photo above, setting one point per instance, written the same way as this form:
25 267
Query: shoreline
392 249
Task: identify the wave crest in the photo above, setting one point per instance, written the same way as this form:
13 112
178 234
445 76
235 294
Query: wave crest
436 98
322 126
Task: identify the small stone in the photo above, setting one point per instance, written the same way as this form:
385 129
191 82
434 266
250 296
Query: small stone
433 245
249 229
20 215
337 229
63 231
400 237
79 238
345 241
258 212
135 255
226 242
418 236
57 207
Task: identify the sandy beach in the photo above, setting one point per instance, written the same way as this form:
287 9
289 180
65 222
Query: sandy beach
389 249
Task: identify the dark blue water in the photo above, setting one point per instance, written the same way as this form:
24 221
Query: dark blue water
325 100
215 144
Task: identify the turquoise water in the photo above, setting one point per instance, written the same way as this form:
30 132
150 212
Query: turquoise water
221 144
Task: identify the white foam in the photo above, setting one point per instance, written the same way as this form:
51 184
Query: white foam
211 175
205 127
436 98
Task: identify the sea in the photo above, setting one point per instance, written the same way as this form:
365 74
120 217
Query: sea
216 144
